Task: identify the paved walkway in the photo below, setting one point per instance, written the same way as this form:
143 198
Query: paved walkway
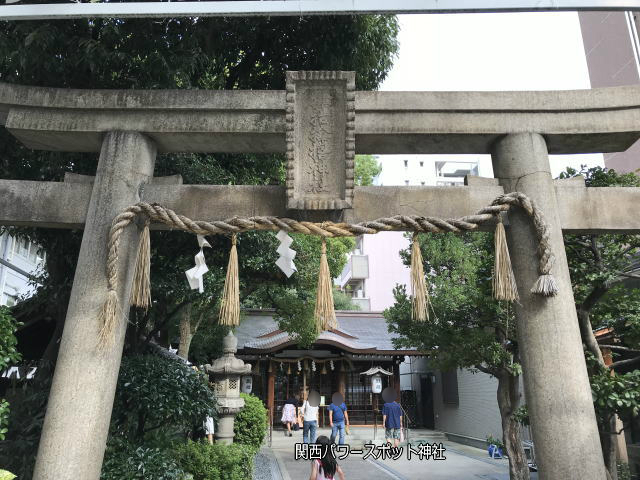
462 462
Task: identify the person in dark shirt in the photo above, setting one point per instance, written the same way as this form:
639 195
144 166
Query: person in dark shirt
338 417
392 420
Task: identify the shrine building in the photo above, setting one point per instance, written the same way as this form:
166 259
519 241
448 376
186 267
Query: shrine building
341 360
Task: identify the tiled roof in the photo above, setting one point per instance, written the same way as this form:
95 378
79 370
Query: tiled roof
356 333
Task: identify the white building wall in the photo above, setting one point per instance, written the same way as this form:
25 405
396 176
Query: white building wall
22 256
420 170
476 416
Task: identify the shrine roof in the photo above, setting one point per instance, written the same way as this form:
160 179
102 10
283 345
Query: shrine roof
357 332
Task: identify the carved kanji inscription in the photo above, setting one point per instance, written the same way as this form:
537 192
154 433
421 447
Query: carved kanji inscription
320 140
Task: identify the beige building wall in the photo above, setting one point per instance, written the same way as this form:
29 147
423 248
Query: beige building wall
611 48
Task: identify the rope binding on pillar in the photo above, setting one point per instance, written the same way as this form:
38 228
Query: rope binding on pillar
504 281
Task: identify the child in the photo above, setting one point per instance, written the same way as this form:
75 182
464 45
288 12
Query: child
327 467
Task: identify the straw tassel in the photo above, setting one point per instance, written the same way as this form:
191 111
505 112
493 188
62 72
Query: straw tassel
230 304
545 286
141 289
504 282
325 315
420 295
108 320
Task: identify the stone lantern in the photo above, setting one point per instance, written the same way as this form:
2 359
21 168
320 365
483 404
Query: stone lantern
225 375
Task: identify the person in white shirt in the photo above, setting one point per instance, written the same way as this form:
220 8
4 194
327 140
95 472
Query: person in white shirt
209 429
309 412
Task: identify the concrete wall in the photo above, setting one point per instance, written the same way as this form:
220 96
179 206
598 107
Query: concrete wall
610 46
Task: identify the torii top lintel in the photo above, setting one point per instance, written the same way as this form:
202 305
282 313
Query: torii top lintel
254 121
321 122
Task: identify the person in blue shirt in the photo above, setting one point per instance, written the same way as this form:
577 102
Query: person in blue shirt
338 417
392 420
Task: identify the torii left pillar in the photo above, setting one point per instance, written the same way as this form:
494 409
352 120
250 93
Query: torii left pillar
76 424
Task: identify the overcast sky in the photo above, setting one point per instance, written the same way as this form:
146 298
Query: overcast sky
486 51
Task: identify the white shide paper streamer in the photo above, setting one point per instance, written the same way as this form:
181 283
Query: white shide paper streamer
194 275
285 261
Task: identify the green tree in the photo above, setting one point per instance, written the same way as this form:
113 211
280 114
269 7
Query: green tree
467 328
9 355
367 168
605 278
159 396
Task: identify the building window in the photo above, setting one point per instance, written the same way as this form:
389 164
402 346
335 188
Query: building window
406 182
422 183
10 300
450 387
24 248
421 163
406 163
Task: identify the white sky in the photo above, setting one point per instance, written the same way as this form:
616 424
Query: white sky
486 51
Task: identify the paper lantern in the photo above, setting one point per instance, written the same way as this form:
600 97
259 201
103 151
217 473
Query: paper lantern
246 384
376 383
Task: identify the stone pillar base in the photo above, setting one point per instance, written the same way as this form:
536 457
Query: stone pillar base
224 433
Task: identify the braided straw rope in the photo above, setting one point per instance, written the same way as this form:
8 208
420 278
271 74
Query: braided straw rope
545 285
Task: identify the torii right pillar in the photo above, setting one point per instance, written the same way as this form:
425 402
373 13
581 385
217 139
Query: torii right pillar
557 390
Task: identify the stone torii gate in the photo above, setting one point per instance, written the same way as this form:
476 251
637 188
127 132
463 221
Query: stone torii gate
321 123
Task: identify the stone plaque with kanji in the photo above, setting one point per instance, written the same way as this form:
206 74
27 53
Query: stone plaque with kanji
320 140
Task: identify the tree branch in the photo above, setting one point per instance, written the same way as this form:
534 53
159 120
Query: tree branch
621 348
486 370
622 363
588 336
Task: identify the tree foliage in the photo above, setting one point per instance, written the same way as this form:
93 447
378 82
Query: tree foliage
367 168
250 426
157 394
468 328
8 355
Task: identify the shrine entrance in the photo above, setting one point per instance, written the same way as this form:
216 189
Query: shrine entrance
320 122
336 362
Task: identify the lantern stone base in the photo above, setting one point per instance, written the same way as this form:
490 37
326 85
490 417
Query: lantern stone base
228 408
224 433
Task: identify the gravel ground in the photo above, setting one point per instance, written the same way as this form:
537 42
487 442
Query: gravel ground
265 466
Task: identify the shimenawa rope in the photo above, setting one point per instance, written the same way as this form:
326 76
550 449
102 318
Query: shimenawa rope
545 284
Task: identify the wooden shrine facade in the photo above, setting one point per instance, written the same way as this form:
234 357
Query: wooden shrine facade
334 363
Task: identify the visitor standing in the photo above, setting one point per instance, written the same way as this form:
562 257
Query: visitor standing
391 417
325 468
290 414
309 414
209 429
338 417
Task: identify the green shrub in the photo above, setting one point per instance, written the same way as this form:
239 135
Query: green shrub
157 396
251 422
215 462
124 461
624 472
4 475
8 356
